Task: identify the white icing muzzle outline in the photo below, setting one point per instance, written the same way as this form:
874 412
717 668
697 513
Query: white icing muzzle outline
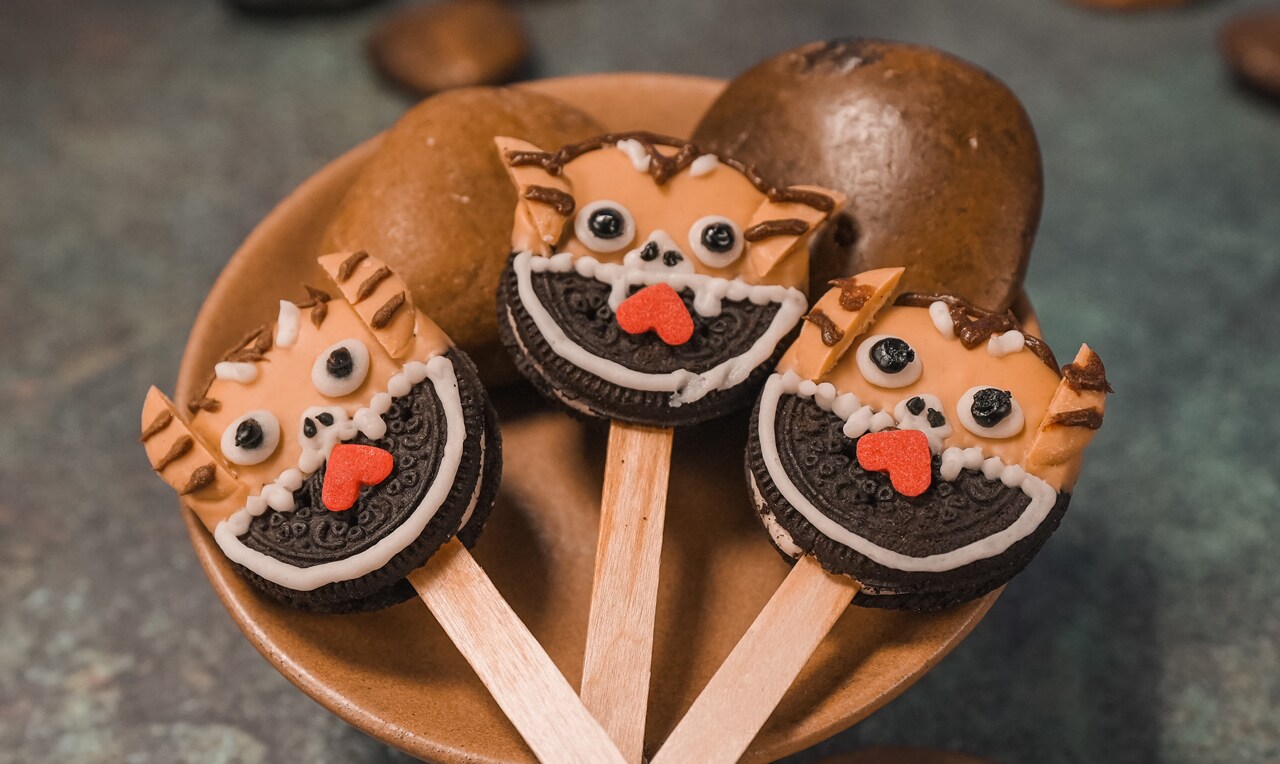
846 406
709 291
279 495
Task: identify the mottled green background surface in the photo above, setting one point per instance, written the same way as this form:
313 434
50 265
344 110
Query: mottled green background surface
140 141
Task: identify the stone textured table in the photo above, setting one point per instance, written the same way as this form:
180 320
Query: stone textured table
141 140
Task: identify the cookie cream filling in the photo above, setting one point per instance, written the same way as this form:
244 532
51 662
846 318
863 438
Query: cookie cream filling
279 495
709 294
857 422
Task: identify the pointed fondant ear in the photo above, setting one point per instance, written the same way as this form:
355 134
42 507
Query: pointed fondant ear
1074 416
544 201
378 295
203 483
840 316
780 228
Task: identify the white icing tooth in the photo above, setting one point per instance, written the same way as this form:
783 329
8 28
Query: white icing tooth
560 261
952 463
255 505
808 388
859 423
972 458
278 498
940 314
311 459
707 303
380 403
371 424
881 420
845 404
825 395
586 266
703 165
415 371
399 385
238 524
1013 475
738 290
287 324
244 373
991 468
290 480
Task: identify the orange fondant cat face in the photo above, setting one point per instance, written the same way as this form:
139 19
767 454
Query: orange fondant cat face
966 378
702 267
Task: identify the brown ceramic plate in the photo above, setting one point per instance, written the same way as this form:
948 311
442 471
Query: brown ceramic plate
395 675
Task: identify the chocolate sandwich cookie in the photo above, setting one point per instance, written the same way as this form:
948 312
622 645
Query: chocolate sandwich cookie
334 451
922 446
651 282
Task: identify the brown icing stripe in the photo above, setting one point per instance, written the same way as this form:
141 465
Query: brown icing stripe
179 449
205 403
264 340
852 294
1091 376
368 286
974 325
200 477
158 424
662 167
383 315
780 227
246 356
1090 418
318 313
562 202
348 266
831 334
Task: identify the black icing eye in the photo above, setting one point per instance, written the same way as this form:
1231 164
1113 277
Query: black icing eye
607 223
991 406
888 361
249 435
719 237
891 355
309 427
340 363
325 418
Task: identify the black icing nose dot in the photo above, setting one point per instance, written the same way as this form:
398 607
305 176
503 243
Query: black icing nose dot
309 427
916 405
671 258
325 418
650 252
935 417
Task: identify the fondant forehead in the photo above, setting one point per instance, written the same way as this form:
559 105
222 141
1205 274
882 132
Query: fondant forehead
673 206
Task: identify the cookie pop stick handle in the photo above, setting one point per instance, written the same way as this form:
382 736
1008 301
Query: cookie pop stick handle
738 700
519 674
615 671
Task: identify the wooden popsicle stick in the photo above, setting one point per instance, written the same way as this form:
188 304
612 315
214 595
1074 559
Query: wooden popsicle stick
519 674
619 651
738 700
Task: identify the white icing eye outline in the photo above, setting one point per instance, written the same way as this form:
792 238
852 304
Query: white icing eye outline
605 226
1007 426
716 240
340 369
251 438
891 355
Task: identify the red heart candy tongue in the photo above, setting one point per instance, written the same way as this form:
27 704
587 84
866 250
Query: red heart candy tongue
657 308
904 454
351 467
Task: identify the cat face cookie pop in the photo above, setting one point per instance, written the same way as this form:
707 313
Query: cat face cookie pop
655 285
651 282
334 456
909 453
336 450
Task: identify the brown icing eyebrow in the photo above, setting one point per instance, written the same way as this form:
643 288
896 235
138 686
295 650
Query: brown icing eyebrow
317 302
205 403
158 424
349 265
831 334
1091 376
368 286
200 477
562 202
780 227
663 167
1090 418
179 449
974 325
852 294
383 315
